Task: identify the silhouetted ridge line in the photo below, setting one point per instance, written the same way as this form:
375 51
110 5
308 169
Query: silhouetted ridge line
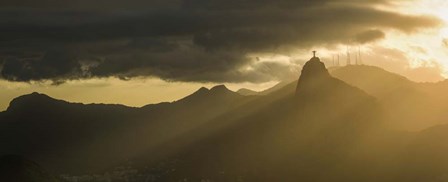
247 92
33 100
202 90
223 90
220 88
219 91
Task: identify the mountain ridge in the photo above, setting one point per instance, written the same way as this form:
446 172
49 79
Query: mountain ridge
275 129
315 123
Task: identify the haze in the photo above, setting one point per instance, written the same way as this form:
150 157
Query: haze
223 91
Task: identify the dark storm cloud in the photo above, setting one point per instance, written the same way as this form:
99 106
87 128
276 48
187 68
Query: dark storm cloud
50 66
369 36
185 40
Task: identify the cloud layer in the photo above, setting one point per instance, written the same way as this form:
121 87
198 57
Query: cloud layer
180 40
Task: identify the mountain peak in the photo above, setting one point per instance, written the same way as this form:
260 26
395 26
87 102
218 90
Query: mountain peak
34 96
199 93
247 92
314 68
220 88
202 90
314 73
35 93
219 91
32 100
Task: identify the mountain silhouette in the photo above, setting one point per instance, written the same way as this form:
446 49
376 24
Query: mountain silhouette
405 101
375 81
314 75
327 126
245 91
50 130
29 102
216 92
208 131
276 87
276 141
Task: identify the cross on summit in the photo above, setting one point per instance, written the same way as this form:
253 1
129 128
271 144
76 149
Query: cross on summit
314 54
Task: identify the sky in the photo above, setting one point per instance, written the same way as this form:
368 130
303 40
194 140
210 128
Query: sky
137 52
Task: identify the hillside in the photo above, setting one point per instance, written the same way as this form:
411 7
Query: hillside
268 91
275 141
246 92
407 102
51 131
319 128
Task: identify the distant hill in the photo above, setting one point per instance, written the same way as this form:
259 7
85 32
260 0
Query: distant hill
284 139
275 88
86 137
344 125
407 102
49 130
424 157
373 80
245 91
278 87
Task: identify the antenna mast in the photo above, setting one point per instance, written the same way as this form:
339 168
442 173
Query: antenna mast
348 56
359 54
338 61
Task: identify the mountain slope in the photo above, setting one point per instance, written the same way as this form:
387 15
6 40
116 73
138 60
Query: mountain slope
85 137
373 80
423 158
407 102
245 91
51 131
277 141
317 129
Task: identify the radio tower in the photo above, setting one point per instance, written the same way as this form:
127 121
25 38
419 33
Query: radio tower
359 55
348 57
338 61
